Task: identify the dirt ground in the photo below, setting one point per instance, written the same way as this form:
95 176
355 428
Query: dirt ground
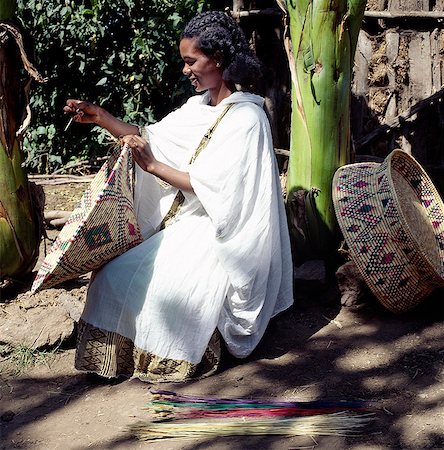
316 350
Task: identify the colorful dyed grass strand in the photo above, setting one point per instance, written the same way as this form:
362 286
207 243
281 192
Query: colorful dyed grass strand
195 413
182 416
168 397
169 404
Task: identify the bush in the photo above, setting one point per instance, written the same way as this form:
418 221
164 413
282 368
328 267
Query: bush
120 54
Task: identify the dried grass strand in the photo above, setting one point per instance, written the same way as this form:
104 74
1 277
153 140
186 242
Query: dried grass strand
338 424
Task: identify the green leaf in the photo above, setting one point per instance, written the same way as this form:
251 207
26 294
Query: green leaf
102 81
77 43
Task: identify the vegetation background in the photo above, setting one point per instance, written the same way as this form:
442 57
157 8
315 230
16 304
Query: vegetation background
120 54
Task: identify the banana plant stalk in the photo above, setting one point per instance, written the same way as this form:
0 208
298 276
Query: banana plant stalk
20 230
320 42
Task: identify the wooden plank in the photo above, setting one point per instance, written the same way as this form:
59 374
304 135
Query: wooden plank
359 107
392 108
364 51
392 49
439 5
413 118
421 84
436 59
420 73
239 13
408 5
409 14
238 5
437 13
400 118
406 146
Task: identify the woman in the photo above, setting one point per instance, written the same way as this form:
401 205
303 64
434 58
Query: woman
217 265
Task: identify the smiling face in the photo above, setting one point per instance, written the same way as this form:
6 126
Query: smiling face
201 70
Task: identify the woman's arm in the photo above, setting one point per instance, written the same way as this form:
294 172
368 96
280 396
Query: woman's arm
86 112
144 157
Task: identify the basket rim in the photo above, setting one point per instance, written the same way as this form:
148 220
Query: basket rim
361 260
406 226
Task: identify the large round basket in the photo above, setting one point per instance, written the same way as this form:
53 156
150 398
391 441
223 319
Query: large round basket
392 219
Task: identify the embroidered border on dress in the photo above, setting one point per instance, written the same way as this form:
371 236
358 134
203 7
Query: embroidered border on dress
111 355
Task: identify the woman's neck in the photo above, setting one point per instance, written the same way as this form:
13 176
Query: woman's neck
221 93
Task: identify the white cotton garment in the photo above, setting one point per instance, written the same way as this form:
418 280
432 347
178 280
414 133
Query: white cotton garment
225 260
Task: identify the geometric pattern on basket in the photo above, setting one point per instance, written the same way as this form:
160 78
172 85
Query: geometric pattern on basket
97 235
379 234
102 226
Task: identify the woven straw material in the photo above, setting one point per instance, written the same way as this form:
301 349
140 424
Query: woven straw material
392 219
102 226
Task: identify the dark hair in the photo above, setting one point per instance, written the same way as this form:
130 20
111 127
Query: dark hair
215 31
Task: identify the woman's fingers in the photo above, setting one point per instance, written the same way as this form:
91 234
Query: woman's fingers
134 141
73 106
140 149
81 111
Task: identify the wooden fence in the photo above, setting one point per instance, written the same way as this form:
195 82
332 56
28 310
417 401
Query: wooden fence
398 81
398 78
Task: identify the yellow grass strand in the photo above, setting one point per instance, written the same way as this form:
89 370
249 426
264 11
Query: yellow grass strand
338 424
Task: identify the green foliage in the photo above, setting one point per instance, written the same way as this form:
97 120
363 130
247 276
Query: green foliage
120 54
24 357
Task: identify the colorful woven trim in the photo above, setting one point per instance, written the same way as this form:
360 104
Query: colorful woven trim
111 355
392 219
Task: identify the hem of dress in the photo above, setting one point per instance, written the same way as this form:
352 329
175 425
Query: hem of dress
110 355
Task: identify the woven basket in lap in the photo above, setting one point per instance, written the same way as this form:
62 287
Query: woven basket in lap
392 219
102 226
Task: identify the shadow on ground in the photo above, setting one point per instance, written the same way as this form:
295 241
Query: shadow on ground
316 350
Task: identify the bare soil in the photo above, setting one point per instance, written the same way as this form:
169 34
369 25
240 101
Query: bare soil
316 350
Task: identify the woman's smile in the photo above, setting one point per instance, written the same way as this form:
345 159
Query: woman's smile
203 71
194 81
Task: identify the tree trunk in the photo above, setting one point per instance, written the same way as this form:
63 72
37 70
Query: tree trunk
7 9
20 230
323 36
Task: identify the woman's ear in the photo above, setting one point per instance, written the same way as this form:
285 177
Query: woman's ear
218 58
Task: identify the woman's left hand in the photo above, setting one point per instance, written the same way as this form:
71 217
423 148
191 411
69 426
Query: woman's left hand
141 151
144 157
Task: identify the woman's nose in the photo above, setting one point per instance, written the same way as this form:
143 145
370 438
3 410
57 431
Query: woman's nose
186 70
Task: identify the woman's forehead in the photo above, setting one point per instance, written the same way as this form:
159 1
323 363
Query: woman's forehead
188 47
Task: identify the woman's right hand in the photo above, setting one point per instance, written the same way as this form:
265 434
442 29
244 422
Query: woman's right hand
83 111
87 112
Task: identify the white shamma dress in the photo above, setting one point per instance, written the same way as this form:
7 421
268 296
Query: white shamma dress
222 267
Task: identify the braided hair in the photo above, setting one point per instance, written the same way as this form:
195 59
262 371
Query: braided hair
215 31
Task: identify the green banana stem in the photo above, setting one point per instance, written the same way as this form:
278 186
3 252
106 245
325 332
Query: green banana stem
323 36
7 9
19 219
